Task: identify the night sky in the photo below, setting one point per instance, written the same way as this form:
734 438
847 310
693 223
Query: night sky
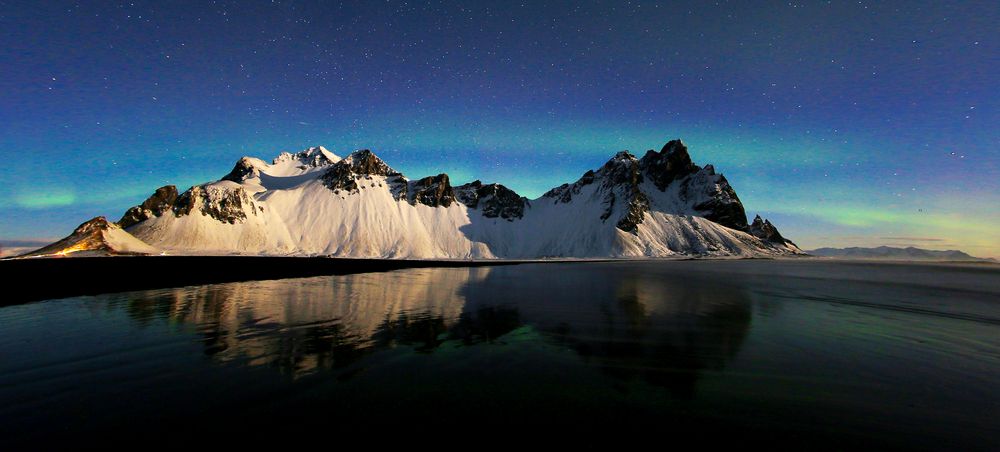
845 123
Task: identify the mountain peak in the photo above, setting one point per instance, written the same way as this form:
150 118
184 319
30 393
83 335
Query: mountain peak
344 174
623 155
675 147
365 162
673 161
622 168
246 168
100 223
313 156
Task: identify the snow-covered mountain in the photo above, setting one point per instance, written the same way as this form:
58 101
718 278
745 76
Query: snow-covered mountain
894 253
317 203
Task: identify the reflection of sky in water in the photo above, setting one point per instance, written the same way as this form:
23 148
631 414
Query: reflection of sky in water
777 342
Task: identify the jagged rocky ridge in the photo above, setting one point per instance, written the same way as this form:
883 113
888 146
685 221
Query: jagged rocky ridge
763 229
315 203
494 200
220 203
626 179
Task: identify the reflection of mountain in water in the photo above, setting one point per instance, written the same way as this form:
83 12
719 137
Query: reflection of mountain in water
663 329
300 325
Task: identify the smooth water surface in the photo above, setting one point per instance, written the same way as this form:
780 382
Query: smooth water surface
820 353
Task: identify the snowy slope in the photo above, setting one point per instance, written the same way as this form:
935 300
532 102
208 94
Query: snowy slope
317 203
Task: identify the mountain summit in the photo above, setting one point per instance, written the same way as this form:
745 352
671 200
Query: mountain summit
665 181
314 202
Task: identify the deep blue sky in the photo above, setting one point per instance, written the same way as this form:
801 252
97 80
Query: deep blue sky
846 123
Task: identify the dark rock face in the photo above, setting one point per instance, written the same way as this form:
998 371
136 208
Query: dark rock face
344 174
637 208
226 206
764 230
494 200
468 194
162 200
432 191
724 207
340 177
244 169
623 174
622 168
671 163
628 176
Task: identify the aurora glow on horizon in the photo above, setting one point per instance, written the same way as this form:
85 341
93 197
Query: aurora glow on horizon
846 124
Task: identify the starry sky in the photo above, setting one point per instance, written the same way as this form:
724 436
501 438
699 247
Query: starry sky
845 123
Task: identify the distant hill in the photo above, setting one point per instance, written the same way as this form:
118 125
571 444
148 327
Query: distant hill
902 254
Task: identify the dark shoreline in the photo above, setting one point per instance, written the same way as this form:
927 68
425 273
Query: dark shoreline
39 279
51 278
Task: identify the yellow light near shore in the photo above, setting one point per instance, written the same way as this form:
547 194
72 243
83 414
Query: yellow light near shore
72 249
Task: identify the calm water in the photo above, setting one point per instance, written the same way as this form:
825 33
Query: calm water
830 354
